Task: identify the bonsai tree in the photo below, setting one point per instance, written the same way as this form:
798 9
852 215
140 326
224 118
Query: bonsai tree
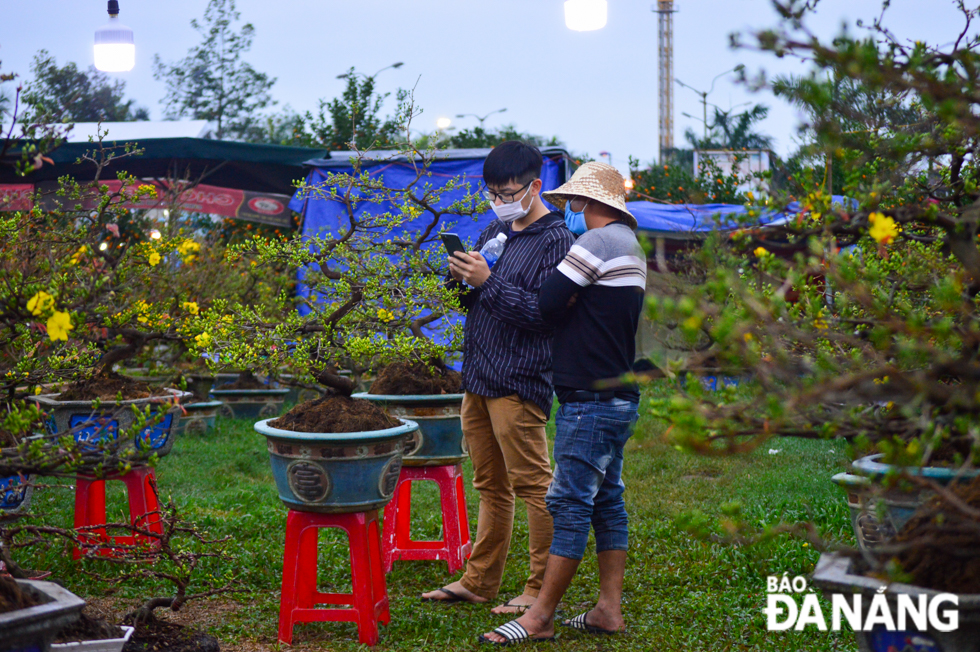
857 320
375 290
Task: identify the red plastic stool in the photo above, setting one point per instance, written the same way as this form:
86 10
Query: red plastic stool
141 487
367 604
455 545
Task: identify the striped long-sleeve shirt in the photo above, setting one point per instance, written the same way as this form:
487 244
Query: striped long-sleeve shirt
507 345
595 339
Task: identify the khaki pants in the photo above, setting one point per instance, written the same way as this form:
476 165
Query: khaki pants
509 450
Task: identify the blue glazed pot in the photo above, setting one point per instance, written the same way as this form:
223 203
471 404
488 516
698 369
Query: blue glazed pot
336 472
198 418
250 403
15 494
93 430
440 436
877 515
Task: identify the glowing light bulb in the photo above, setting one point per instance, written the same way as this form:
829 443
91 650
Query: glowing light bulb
154 234
585 15
103 246
115 49
443 123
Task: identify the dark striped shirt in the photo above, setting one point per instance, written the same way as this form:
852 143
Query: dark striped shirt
507 343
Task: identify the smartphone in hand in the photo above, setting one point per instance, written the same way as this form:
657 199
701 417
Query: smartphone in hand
452 243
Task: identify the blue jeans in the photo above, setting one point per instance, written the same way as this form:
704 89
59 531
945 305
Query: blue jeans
587 488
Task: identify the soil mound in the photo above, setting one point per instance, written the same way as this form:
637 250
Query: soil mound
156 635
403 378
944 543
87 628
106 387
12 597
334 414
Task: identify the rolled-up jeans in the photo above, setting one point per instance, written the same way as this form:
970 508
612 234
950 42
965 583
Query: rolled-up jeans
587 489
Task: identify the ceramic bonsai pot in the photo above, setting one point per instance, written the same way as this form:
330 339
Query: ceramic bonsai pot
93 428
250 403
439 440
878 515
15 495
835 574
336 472
198 418
33 629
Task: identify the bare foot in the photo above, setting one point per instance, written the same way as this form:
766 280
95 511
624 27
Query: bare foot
517 605
445 594
535 627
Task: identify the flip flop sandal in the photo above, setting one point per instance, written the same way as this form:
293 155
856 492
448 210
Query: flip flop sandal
514 632
452 599
521 608
578 622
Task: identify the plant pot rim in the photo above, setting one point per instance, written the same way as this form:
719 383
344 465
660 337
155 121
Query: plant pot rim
833 572
409 398
50 400
62 601
102 643
201 405
870 466
278 391
263 428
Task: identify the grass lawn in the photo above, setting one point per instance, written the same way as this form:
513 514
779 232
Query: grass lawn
680 593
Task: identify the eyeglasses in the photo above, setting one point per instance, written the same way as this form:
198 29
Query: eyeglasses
504 197
578 204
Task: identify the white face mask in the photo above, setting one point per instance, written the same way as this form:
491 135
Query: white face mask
507 213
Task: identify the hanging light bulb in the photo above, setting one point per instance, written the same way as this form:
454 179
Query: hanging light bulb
115 50
585 15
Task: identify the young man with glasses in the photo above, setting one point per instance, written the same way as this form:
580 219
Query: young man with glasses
507 374
594 299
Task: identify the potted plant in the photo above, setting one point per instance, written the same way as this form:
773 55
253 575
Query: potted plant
855 318
373 286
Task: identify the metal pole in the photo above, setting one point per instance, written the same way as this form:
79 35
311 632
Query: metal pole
665 9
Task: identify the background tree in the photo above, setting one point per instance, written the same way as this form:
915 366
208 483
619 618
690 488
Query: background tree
66 94
355 118
727 131
480 137
213 82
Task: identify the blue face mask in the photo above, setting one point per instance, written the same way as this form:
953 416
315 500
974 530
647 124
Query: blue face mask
575 221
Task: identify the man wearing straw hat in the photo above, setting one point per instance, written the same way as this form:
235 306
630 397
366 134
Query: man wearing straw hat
594 299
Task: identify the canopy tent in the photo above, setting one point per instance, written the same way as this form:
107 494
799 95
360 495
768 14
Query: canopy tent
243 180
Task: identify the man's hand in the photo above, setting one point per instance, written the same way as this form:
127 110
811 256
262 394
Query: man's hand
470 267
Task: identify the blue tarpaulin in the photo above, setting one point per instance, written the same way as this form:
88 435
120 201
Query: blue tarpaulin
325 216
692 220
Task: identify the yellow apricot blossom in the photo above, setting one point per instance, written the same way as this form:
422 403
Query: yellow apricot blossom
761 252
191 307
77 256
154 259
59 323
203 339
385 315
883 228
40 303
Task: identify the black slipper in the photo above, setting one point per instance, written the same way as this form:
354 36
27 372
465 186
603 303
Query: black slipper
452 599
578 622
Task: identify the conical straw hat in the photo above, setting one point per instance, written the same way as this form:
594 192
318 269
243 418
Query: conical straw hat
598 181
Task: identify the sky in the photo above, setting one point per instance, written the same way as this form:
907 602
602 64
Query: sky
596 91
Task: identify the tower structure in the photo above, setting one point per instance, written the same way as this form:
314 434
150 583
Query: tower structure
665 43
